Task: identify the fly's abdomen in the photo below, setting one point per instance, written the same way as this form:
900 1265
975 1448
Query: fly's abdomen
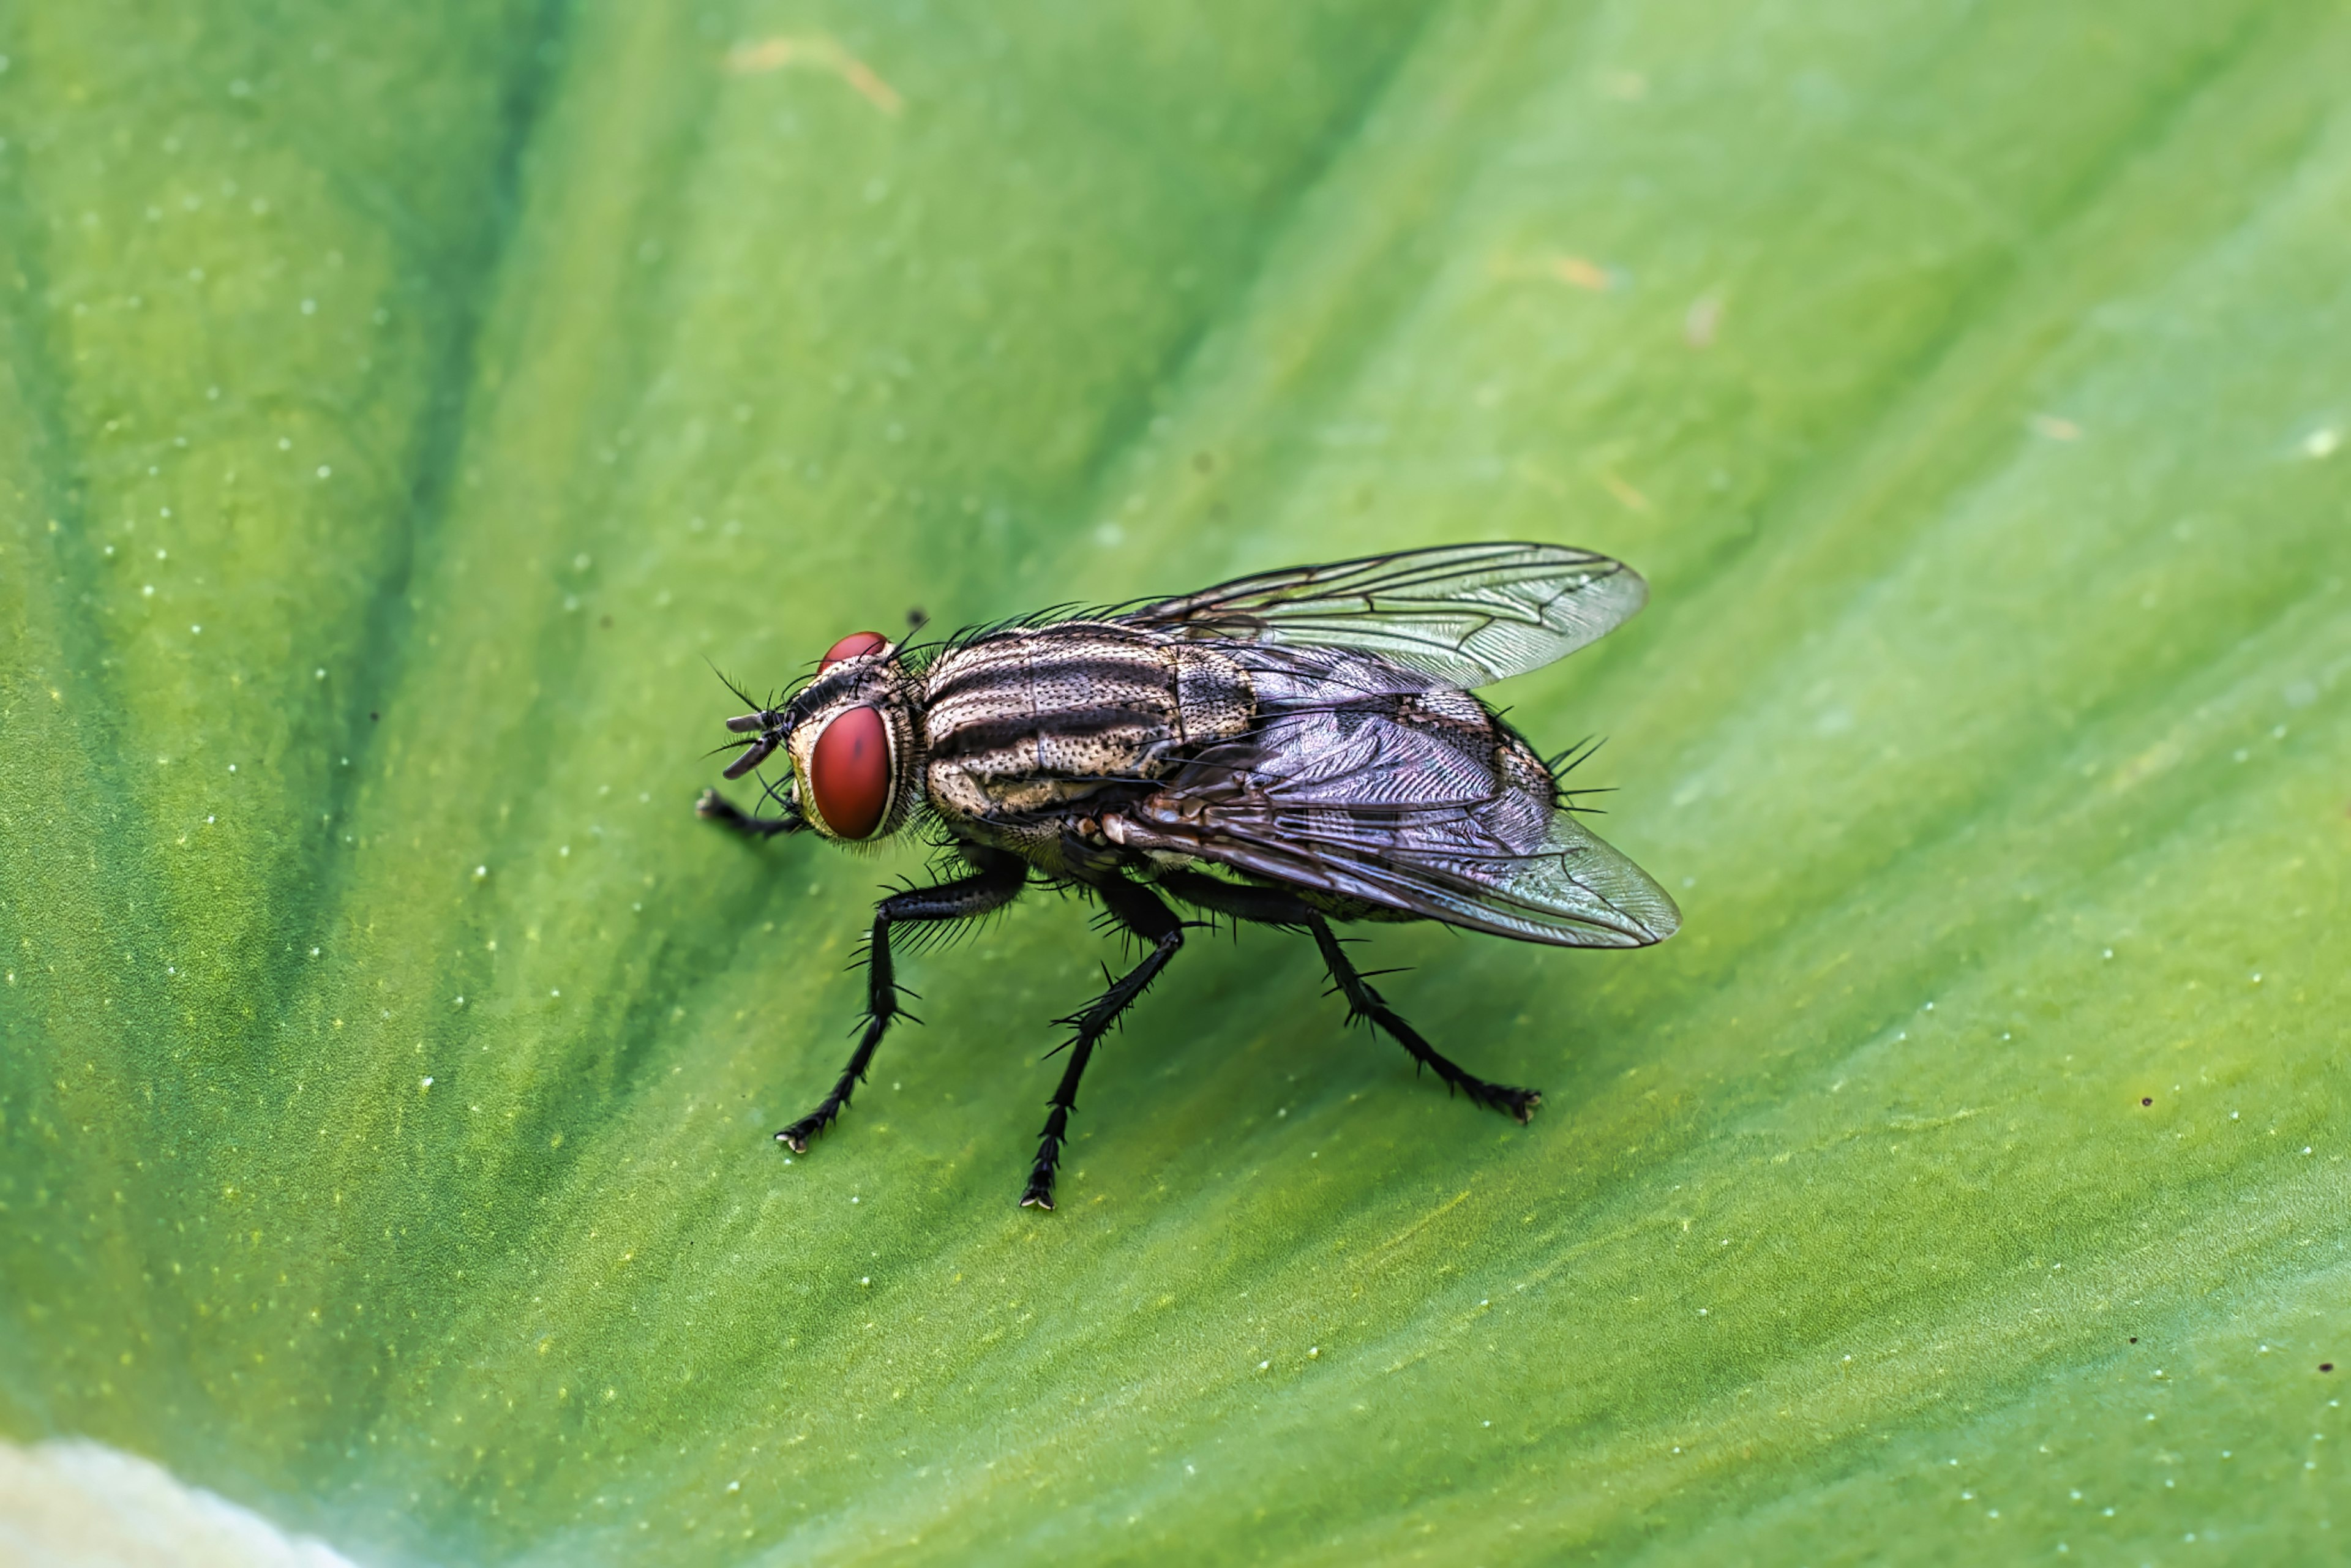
1027 720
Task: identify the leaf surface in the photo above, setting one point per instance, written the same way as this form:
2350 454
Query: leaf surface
401 404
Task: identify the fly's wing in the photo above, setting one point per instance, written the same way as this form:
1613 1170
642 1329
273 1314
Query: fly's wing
1570 888
1437 814
1466 614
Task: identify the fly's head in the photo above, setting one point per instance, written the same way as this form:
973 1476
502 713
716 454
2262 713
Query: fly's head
850 735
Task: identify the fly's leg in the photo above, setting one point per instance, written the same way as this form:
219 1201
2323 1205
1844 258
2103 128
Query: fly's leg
1363 1002
1141 912
1270 906
1238 901
718 808
997 883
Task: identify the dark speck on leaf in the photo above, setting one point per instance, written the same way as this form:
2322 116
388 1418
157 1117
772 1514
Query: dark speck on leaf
373 716
2325 1366
2133 1339
2148 1100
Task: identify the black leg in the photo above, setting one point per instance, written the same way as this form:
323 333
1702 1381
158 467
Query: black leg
1363 1002
1141 912
997 883
718 808
1258 905
1270 906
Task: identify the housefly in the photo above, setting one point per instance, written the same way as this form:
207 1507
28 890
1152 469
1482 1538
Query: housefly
1291 749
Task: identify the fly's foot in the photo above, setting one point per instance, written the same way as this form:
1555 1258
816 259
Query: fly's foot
796 1136
1518 1104
1038 1192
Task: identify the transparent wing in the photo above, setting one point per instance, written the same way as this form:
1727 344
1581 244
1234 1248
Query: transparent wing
1466 614
1572 889
1410 815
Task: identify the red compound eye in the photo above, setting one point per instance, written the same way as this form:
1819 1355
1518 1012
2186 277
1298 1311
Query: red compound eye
856 645
848 773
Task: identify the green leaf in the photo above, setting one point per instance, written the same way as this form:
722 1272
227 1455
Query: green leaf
400 404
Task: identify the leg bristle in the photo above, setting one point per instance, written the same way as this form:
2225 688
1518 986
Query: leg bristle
1142 914
1366 1004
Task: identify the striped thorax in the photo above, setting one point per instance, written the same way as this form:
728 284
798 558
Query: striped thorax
1021 724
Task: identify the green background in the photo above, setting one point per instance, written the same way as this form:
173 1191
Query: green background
399 403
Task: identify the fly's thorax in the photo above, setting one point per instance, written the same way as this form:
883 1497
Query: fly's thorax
855 744
1031 719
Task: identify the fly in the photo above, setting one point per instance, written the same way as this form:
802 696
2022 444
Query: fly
1290 750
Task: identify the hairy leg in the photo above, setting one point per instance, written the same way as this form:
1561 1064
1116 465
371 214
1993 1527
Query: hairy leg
1238 901
996 882
1141 912
1270 906
1363 1002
